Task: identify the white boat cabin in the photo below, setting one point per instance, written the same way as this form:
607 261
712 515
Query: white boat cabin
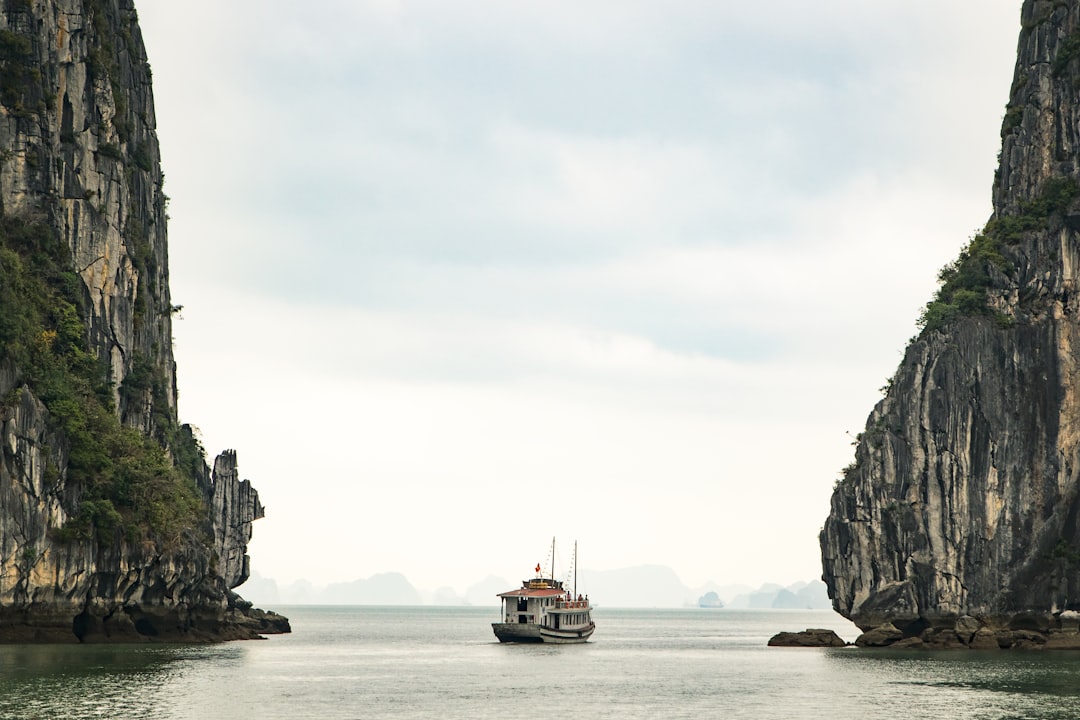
529 603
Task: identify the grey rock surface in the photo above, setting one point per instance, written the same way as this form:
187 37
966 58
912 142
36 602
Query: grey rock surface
962 501
79 153
812 637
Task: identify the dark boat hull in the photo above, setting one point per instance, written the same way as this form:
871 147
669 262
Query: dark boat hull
517 632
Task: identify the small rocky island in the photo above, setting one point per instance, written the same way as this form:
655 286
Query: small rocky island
113 528
814 637
958 522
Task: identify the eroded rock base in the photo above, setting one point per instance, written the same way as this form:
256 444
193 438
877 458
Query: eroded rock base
136 624
1059 632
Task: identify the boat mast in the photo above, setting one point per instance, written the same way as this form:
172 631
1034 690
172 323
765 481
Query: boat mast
553 560
575 569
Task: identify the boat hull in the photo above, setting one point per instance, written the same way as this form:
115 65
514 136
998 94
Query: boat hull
567 636
517 632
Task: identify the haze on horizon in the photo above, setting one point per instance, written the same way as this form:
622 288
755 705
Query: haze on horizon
460 277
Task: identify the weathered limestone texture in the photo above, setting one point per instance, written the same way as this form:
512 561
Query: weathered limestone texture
812 637
958 523
79 156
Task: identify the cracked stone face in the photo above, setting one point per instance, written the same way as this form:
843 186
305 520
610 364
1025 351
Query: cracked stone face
962 499
79 153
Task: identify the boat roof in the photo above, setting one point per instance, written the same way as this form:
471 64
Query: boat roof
538 586
534 592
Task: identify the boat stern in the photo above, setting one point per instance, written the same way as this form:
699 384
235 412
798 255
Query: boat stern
517 632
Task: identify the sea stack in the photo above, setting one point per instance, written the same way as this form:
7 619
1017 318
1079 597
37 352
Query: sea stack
958 523
112 525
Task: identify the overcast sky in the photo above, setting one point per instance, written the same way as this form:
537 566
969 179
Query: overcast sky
459 276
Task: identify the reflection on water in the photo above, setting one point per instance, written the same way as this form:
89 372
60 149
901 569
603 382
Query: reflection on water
445 663
1033 685
96 681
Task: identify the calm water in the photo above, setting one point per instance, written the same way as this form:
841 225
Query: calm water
366 662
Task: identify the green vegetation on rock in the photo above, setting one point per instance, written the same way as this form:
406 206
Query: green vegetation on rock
20 78
966 282
1014 118
1068 50
125 481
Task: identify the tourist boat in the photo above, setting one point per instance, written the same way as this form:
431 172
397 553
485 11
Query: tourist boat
541 610
569 621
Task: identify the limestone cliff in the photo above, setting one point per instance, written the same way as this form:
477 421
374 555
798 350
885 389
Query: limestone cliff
959 520
112 526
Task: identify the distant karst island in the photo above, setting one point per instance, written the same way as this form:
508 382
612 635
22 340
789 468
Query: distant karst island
653 586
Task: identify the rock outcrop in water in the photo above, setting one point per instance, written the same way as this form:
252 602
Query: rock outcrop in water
958 523
112 526
812 637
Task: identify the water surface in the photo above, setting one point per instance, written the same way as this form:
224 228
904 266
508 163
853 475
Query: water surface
423 662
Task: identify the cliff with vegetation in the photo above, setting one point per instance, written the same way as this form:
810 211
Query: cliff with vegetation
958 523
112 525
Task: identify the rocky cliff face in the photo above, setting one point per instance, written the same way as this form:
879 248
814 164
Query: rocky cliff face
958 523
111 524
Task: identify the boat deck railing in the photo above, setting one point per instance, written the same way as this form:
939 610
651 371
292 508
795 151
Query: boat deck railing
571 604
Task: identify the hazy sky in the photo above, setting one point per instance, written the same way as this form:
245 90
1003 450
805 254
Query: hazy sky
461 276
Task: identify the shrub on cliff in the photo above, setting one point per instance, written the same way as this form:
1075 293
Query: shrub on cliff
124 480
965 283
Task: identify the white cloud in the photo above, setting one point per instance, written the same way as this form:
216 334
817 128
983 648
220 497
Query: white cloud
439 260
